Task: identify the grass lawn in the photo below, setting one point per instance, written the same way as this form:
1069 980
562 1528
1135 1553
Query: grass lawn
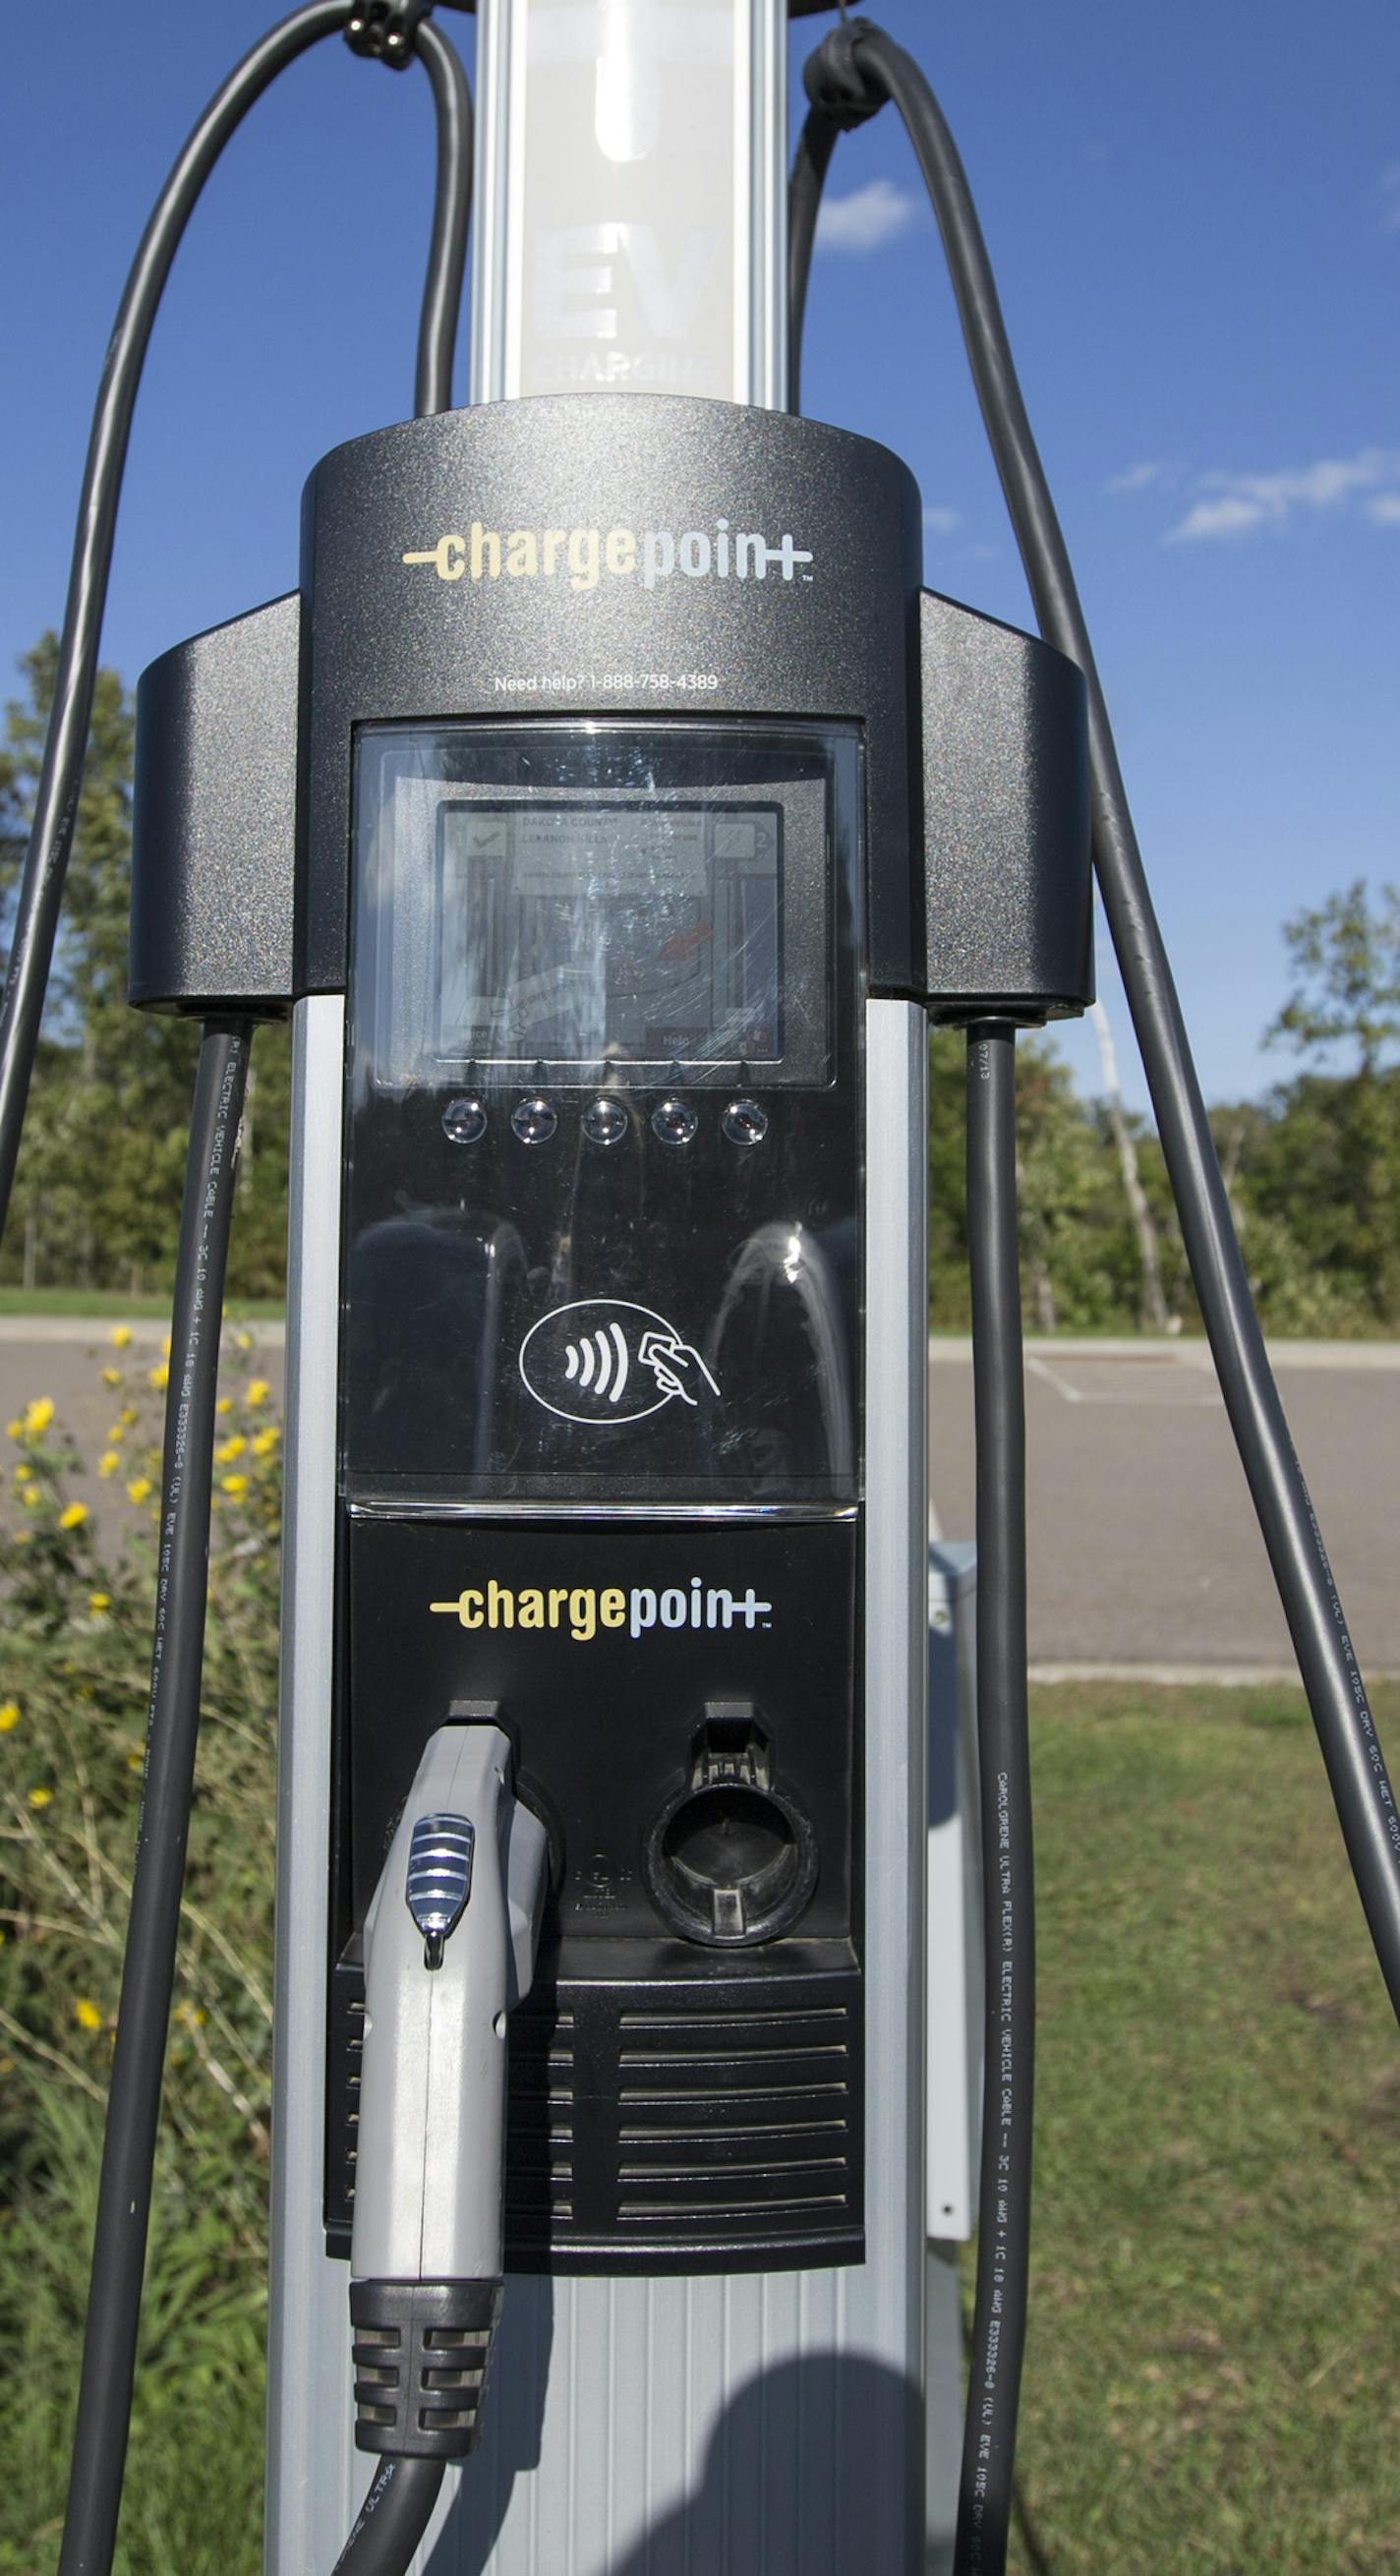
104 1303
1215 2342
1214 2348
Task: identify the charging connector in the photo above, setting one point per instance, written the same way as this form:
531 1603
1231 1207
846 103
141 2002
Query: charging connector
450 1943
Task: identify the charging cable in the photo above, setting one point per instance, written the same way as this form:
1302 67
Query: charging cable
450 1942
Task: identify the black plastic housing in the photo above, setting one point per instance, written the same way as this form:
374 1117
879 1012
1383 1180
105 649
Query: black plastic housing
973 727
388 639
213 832
1007 885
673 2106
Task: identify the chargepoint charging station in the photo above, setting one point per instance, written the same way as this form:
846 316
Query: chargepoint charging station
611 807
606 1444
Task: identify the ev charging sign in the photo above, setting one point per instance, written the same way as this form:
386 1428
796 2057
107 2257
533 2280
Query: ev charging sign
626 239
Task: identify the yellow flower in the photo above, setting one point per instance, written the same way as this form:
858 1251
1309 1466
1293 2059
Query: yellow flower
111 1377
14 1430
234 1484
165 1345
224 1405
29 1496
231 1448
160 1374
108 1463
244 1341
127 1415
40 1797
120 1337
9 1715
23 1472
87 2014
98 1602
135 1761
23 1537
265 1441
138 1489
38 1414
258 1390
72 1516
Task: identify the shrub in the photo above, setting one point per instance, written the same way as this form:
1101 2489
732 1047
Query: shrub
77 1587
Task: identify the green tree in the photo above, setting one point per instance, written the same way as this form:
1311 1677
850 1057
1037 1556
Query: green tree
1080 1254
1332 1165
97 1192
1346 970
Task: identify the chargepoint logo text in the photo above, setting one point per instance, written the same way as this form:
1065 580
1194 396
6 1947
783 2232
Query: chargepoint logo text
585 1610
584 557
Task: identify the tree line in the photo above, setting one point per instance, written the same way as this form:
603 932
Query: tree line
1313 1169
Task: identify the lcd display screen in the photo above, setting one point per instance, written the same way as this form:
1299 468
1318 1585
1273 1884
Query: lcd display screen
624 931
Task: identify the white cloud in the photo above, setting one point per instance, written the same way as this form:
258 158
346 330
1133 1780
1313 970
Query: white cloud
1234 504
1385 509
1229 517
941 521
868 218
1136 478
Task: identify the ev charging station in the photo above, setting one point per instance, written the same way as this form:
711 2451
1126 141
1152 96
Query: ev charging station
607 1376
611 807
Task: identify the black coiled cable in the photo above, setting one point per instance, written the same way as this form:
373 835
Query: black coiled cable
392 2519
857 59
452 205
40 893
114 2298
1003 1754
158 1871
1361 1789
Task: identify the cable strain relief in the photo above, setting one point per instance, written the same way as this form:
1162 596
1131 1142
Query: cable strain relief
834 80
422 2355
386 31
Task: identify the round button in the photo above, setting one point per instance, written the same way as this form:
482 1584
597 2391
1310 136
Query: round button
534 1121
464 1121
744 1123
674 1122
605 1122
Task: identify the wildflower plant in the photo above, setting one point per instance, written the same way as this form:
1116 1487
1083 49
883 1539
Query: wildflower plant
77 1588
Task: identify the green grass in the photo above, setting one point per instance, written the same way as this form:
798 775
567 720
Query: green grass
105 1303
1212 2359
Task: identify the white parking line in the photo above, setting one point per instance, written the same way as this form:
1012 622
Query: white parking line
1071 1394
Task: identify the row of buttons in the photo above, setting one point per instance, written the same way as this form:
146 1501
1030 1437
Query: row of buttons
604 1122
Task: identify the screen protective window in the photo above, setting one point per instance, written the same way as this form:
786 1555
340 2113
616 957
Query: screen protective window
602 1181
598 899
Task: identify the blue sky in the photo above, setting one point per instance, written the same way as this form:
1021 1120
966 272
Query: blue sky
1195 218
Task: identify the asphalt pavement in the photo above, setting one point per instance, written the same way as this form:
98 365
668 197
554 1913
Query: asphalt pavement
1143 1548
1144 1553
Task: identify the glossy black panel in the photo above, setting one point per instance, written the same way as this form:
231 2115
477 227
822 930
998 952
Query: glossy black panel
633 1665
604 1278
601 1647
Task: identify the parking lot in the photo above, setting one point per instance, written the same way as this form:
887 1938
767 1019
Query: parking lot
1143 1545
